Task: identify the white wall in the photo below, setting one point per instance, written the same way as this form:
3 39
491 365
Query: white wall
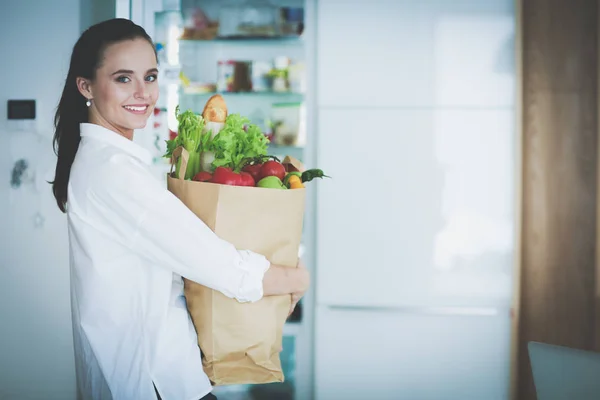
36 356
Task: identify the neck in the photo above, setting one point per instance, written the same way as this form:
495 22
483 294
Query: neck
96 119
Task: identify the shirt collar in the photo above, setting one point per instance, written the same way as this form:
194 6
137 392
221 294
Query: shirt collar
111 138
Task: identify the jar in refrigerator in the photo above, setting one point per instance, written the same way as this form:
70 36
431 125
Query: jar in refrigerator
225 71
288 126
260 76
280 74
242 79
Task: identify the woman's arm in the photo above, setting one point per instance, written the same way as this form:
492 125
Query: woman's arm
154 223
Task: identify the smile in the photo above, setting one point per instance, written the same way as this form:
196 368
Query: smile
136 109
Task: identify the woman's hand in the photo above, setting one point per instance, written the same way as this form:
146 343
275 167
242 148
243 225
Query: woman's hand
298 295
295 299
280 280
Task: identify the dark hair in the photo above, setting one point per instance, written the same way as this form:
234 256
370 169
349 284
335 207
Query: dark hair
71 111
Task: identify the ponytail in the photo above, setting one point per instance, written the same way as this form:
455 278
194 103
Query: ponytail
72 111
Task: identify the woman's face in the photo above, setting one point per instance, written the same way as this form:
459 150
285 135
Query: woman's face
125 89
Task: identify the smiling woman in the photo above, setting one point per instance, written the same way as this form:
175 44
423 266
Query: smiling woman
122 99
132 335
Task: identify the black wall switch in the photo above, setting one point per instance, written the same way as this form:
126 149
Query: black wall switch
21 109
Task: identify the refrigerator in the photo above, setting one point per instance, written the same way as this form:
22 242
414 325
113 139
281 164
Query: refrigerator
416 121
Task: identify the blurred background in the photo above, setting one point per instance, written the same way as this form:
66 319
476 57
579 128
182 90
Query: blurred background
460 223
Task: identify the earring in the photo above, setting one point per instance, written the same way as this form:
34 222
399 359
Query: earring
88 102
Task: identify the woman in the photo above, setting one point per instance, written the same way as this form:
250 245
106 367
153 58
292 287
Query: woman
130 238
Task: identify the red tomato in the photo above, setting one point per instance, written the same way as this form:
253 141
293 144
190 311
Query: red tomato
253 170
226 176
272 168
202 176
246 179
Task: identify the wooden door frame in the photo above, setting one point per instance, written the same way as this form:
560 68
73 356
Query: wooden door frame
518 179
597 283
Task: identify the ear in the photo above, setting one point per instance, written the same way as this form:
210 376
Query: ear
85 87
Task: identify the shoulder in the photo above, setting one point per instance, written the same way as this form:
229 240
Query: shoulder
113 165
108 174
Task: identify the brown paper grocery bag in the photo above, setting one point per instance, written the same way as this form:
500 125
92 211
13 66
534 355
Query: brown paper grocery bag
240 342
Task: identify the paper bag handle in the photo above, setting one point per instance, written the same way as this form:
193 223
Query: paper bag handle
185 156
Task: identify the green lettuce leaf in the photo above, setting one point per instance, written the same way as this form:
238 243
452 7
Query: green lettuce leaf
238 140
190 136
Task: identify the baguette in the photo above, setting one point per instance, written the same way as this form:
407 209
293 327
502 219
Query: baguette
215 109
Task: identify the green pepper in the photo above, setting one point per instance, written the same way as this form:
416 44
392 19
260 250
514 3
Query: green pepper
311 174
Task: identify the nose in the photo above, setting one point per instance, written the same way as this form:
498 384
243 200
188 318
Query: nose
141 91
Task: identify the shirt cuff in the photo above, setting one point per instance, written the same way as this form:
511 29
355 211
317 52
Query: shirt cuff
251 287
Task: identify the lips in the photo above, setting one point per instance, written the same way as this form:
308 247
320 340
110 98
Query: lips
137 108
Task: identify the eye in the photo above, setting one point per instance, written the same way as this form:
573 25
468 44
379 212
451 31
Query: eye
123 79
151 78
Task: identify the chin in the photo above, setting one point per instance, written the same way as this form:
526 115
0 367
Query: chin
140 125
137 122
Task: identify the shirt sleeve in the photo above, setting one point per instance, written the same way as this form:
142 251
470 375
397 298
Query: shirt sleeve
153 222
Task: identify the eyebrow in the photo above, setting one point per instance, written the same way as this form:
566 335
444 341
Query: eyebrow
128 71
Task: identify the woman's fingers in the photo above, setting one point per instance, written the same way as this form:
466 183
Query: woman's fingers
295 299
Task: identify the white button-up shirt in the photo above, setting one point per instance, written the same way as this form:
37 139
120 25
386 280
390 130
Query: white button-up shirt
130 242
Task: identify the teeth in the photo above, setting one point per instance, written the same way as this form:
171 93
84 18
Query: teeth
136 108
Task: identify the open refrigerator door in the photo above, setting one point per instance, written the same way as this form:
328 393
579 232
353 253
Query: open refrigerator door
189 59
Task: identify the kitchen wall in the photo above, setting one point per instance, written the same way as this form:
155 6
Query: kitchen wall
94 11
36 356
